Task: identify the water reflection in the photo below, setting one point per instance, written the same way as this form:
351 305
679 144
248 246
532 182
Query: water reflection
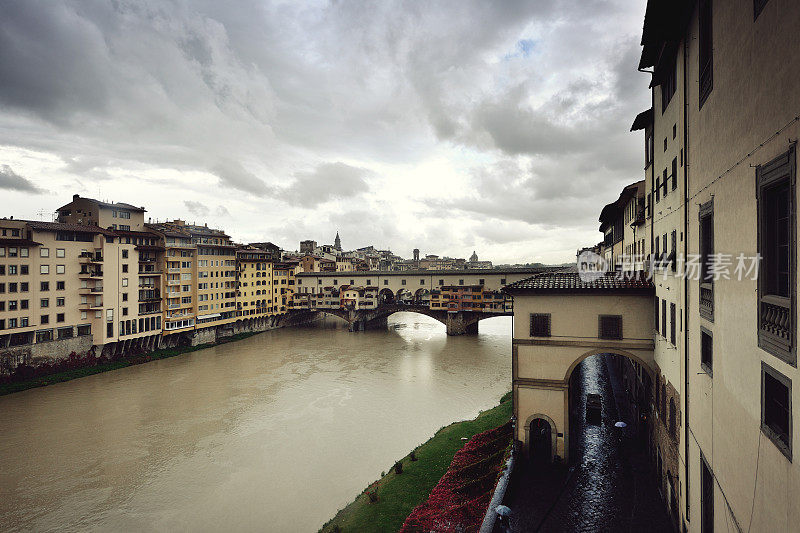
272 432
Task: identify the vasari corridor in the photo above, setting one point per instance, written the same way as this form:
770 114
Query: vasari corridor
340 266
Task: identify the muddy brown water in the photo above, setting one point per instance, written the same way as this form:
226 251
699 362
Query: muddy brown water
271 433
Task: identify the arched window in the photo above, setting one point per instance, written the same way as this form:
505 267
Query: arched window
672 429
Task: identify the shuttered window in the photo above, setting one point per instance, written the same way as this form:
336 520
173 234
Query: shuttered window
610 327
706 51
776 408
672 323
758 5
540 325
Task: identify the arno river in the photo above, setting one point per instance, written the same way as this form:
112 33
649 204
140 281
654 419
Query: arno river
271 433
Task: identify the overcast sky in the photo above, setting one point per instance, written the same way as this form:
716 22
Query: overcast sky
501 127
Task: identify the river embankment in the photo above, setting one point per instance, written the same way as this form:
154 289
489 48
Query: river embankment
386 503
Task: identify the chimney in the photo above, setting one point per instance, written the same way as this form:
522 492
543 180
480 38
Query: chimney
75 197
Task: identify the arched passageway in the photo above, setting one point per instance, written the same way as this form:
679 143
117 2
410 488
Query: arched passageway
386 296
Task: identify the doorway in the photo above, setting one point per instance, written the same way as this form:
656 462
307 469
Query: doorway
541 441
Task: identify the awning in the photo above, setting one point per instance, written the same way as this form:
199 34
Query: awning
214 315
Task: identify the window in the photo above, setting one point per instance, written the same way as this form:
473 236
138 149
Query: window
23 287
674 173
665 181
402 282
60 317
12 270
44 302
44 252
673 426
672 323
23 270
775 186
125 268
776 408
706 55
110 329
673 255
23 304
60 302
60 252
386 282
664 318
60 269
668 85
610 326
44 319
540 324
706 351
441 282
758 5
23 252
44 286
706 498
706 234
461 282
44 269
12 252
124 282
60 285
655 316
124 254
124 296
421 282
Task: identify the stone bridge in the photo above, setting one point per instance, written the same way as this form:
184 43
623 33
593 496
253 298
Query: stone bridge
457 323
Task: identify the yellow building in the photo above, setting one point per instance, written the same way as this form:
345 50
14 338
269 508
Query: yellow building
254 296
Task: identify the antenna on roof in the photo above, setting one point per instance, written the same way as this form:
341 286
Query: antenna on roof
41 213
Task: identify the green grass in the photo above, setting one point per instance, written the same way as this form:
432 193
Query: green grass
399 494
58 377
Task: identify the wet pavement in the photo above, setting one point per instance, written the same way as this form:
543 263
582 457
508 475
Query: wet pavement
609 484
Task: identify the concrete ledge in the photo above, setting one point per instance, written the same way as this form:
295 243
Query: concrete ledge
490 517
633 344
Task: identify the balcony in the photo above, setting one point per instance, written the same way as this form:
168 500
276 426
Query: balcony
91 290
174 282
775 326
91 274
173 270
153 272
89 257
147 259
90 305
174 306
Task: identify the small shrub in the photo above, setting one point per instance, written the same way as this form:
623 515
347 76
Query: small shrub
398 467
413 455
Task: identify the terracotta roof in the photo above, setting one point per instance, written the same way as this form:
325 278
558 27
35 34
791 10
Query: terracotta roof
113 205
58 226
572 282
18 242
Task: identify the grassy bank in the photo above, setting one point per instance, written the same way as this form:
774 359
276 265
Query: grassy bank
399 494
105 366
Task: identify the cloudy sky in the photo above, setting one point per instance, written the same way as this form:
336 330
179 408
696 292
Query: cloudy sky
450 126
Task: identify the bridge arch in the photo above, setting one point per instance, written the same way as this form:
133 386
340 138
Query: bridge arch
385 296
420 295
611 350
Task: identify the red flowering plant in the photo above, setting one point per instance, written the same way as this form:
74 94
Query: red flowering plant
460 499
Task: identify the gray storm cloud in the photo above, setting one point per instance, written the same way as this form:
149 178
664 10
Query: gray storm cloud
259 108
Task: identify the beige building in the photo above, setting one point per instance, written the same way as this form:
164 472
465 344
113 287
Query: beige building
720 174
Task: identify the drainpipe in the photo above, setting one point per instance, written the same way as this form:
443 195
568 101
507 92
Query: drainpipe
685 288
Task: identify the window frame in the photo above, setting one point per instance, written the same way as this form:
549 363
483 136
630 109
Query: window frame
705 48
705 215
547 331
601 331
707 366
784 447
781 169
